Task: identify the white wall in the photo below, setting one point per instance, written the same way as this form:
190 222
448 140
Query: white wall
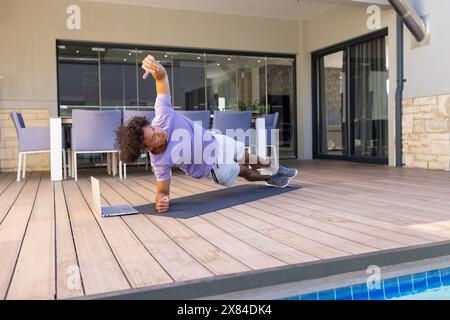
29 30
427 68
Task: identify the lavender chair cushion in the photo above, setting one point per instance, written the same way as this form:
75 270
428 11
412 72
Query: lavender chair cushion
198 116
233 120
94 130
271 124
130 114
32 139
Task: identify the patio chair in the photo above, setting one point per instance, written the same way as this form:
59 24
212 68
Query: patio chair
129 115
272 124
198 116
94 132
33 140
224 120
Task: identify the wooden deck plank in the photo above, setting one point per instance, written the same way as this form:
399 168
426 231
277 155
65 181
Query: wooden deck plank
375 186
211 257
264 243
177 262
415 194
364 208
391 213
386 194
299 242
100 271
353 245
376 237
355 238
245 207
8 197
34 276
293 213
5 181
308 246
416 178
139 266
325 238
368 239
342 209
247 254
368 225
12 231
3 175
68 278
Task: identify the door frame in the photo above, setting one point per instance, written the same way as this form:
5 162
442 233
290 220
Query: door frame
315 56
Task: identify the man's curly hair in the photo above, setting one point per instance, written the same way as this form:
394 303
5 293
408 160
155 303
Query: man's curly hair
130 139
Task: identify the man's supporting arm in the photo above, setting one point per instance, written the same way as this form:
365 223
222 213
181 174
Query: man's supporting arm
162 196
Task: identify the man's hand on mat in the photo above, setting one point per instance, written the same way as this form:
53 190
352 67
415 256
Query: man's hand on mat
153 67
162 203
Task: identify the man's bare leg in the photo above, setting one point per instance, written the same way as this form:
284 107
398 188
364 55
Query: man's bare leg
251 175
249 160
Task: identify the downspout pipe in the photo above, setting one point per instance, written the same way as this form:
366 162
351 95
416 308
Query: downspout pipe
399 95
408 16
411 19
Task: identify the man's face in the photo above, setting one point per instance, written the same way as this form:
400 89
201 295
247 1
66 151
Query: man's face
155 139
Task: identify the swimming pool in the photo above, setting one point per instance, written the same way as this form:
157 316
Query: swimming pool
430 285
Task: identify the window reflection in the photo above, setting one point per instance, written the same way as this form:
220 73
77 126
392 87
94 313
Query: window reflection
280 97
118 78
104 76
221 81
77 77
252 84
189 81
147 88
332 99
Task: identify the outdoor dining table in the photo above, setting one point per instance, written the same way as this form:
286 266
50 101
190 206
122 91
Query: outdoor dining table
56 172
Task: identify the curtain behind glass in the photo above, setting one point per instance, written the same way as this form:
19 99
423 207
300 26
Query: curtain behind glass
369 99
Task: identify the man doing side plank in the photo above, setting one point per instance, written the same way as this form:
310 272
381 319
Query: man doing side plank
205 154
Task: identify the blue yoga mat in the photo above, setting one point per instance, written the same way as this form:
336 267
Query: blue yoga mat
202 203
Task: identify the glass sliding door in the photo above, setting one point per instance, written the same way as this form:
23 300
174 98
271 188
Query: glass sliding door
280 98
352 83
332 112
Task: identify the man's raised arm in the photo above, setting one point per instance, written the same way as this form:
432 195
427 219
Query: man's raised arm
153 67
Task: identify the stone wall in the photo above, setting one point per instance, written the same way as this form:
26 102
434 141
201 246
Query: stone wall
426 133
9 145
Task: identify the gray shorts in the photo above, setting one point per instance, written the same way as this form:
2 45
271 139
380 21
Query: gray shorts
226 169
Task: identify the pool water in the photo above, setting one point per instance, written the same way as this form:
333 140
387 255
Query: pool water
430 285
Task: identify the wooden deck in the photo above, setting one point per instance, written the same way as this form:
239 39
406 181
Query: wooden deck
49 234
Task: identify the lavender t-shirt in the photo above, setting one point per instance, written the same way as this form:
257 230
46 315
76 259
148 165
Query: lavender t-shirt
190 147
